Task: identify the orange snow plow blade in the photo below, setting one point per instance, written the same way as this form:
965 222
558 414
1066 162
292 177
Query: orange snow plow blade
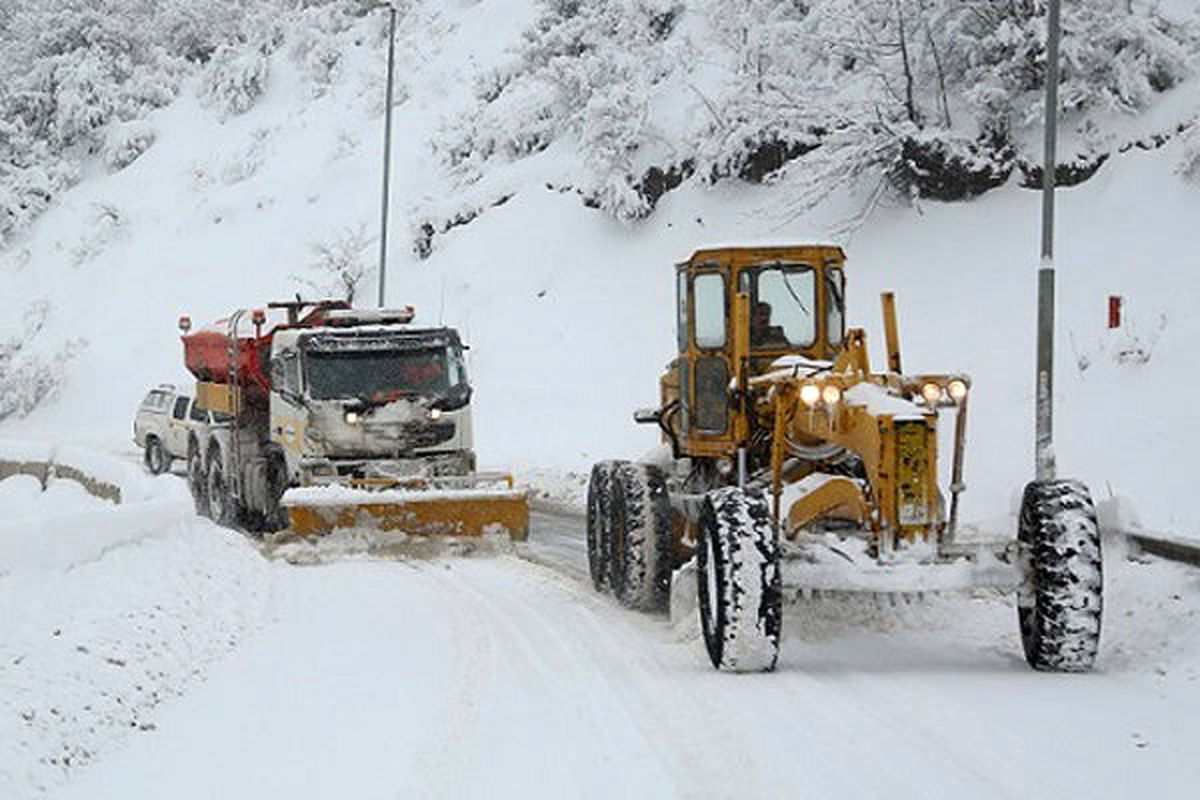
467 506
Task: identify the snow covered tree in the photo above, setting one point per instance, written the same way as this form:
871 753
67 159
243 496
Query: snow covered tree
584 70
27 377
340 265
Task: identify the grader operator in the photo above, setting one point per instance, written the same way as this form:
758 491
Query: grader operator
779 438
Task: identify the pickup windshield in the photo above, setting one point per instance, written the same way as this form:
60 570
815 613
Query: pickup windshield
379 376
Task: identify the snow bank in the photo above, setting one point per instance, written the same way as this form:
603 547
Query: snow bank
109 609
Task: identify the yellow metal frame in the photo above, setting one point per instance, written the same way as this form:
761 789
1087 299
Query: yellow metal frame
899 456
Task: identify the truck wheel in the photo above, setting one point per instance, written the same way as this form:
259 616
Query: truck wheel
739 588
220 500
155 457
1059 609
198 481
599 512
639 559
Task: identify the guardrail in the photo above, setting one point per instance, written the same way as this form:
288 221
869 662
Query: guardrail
142 507
45 471
1174 548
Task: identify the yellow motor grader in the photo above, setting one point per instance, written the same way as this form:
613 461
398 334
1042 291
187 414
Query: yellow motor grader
781 445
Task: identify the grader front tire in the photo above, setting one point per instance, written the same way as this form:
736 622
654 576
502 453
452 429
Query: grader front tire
1060 609
739 586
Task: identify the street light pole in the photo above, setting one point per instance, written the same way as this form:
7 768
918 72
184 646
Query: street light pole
387 151
1044 438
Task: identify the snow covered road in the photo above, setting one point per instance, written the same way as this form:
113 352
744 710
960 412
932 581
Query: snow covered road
499 677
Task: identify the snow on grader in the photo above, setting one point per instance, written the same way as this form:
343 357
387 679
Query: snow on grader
789 467
328 418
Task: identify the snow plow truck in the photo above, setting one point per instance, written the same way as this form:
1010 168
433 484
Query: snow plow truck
326 417
790 468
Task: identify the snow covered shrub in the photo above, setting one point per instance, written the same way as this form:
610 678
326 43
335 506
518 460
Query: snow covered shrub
105 225
27 378
583 70
125 143
234 79
194 29
340 265
319 40
30 177
1189 165
944 167
243 163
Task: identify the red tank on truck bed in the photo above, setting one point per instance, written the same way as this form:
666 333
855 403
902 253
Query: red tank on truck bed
206 352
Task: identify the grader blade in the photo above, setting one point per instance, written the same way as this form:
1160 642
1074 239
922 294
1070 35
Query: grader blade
437 510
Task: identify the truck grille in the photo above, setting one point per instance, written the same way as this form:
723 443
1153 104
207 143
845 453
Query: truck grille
427 434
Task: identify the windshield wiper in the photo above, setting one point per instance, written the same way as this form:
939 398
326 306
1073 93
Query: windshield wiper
787 284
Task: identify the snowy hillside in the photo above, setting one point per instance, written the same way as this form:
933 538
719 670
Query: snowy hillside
553 160
569 311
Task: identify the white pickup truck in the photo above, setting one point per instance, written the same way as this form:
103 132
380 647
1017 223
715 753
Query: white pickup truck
162 423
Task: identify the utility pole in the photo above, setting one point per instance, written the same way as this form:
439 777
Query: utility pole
1044 439
387 150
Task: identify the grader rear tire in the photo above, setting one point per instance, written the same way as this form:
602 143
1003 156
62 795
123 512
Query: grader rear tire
599 513
640 538
739 586
1060 611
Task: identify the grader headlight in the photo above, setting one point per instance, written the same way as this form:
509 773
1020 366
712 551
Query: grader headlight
831 395
810 393
957 389
932 393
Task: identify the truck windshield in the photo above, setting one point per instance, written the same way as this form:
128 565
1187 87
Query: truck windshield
379 376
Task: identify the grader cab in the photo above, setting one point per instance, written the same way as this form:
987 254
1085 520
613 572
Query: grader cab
783 450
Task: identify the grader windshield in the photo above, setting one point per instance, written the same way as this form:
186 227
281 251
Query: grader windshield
783 306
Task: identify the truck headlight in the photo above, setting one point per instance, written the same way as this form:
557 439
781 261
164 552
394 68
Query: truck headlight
435 414
352 417
932 393
831 395
810 393
957 389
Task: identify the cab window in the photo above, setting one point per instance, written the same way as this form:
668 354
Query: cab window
835 305
181 406
783 312
708 300
198 413
681 308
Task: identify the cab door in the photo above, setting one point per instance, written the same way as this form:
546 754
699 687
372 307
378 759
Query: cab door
177 427
288 415
704 364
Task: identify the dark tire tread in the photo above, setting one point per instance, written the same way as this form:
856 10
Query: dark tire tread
1060 611
739 554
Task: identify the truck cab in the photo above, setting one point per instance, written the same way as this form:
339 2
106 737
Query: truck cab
370 402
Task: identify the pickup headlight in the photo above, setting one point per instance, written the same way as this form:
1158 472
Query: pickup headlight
352 418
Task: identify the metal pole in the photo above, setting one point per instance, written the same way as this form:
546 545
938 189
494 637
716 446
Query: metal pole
1044 442
387 151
